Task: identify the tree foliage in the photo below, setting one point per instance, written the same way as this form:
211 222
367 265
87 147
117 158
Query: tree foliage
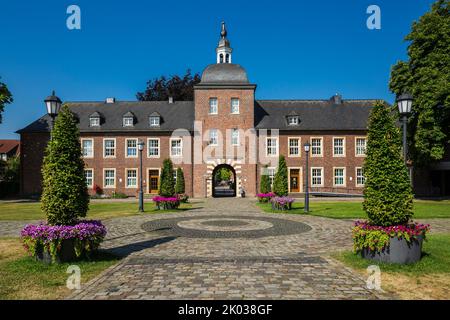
280 182
9 178
5 98
387 193
264 185
181 88
180 184
167 186
223 174
426 75
64 198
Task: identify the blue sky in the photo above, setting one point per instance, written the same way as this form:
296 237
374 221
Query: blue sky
290 49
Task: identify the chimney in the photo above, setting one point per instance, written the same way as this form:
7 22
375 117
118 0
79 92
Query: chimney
336 99
170 99
110 100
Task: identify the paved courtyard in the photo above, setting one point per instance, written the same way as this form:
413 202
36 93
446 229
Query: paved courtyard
226 249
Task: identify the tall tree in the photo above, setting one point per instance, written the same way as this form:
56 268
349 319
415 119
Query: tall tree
280 181
180 184
181 88
5 98
264 185
387 191
64 198
426 75
167 186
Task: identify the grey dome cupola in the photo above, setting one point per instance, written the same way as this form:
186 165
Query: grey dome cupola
224 73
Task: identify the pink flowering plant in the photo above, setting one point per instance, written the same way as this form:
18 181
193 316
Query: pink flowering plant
376 238
282 203
166 203
265 197
86 234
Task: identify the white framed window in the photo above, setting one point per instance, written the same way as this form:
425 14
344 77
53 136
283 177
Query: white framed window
128 121
316 147
271 147
175 175
153 147
87 148
338 147
3 156
235 105
94 121
213 106
294 147
339 177
154 121
131 149
360 179
292 120
213 137
109 148
89 176
131 175
360 146
316 177
271 173
235 137
109 178
176 147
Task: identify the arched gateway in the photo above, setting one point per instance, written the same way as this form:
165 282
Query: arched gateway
224 181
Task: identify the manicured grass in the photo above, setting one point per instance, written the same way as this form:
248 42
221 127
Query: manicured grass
423 209
97 210
427 279
21 277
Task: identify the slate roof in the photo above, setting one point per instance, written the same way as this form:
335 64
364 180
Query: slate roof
313 114
176 115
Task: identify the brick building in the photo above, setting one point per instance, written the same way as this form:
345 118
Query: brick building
225 126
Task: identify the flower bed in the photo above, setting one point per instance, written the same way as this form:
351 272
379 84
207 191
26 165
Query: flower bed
166 203
282 203
44 240
377 238
265 197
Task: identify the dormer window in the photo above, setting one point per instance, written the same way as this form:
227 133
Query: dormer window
128 119
154 121
94 120
293 120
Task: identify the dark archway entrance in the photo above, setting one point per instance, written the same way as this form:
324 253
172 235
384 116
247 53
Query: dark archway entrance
224 181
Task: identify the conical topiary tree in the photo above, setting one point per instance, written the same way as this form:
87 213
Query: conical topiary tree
64 198
180 185
388 194
167 185
280 182
264 185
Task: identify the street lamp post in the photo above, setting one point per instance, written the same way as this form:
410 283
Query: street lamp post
53 105
306 148
141 192
404 103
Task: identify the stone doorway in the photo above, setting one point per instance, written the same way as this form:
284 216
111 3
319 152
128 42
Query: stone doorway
224 181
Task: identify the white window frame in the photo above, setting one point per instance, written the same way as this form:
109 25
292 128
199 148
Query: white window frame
356 147
92 146
233 111
312 146
148 148
126 147
104 148
97 122
271 177
216 137
344 177
104 178
127 186
276 147
181 148
291 155
216 106
356 177
233 138
157 123
343 147
125 121
322 177
294 123
89 186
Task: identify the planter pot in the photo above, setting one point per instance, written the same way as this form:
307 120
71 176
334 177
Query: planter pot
65 254
399 251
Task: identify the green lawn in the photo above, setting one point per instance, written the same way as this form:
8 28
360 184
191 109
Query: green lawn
97 210
423 209
21 277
